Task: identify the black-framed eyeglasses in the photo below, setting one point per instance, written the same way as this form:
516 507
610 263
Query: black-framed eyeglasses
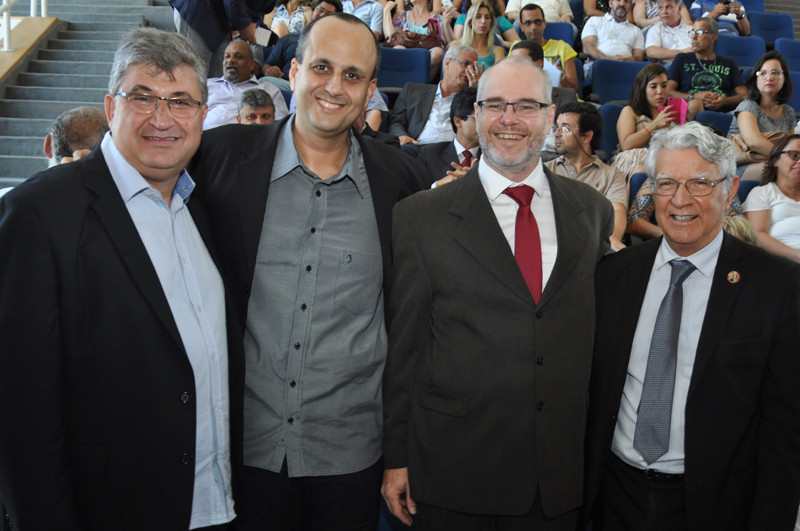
769 73
523 108
698 32
794 155
147 104
535 22
696 187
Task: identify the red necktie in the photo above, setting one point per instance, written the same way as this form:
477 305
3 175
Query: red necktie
467 158
527 245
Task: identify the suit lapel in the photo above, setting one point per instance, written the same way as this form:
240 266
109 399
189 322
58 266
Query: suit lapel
122 232
721 302
480 234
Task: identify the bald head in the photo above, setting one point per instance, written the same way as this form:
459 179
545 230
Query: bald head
238 63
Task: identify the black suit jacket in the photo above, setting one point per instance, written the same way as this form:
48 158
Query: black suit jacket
437 158
742 440
412 109
98 415
485 390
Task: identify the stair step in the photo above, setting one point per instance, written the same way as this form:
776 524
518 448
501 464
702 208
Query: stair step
91 35
73 44
62 80
117 8
40 109
70 67
55 93
21 167
76 55
24 146
117 28
25 126
94 4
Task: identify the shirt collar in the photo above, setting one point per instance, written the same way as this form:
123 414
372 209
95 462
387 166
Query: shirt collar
287 159
494 183
130 182
222 80
608 17
460 149
705 260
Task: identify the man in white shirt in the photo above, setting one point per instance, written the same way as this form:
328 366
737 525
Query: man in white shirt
238 76
369 11
554 10
670 35
612 36
694 418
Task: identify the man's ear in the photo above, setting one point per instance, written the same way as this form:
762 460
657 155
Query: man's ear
48 146
293 73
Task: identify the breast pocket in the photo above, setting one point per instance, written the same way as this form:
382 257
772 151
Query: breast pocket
359 279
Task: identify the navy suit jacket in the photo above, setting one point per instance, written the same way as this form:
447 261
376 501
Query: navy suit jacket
214 19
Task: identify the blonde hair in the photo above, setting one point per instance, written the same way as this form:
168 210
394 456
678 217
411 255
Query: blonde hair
469 34
741 228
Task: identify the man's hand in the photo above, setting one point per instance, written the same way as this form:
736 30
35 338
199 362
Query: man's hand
271 71
405 139
474 73
395 486
248 33
719 10
76 155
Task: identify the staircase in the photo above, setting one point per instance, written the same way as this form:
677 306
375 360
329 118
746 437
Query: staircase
70 69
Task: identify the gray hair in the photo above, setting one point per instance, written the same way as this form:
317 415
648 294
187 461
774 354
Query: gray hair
522 62
713 25
162 51
712 148
454 51
302 43
78 128
255 98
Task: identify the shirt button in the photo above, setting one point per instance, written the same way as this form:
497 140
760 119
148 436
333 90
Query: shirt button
186 458
308 268
292 383
539 314
313 230
297 346
186 397
303 307
291 420
540 406
319 193
540 361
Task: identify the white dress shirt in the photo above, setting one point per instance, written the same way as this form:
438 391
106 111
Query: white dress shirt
438 127
505 209
461 149
223 100
696 289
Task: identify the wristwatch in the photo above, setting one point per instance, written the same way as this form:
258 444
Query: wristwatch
689 97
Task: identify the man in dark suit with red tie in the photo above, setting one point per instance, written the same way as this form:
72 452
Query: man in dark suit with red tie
492 330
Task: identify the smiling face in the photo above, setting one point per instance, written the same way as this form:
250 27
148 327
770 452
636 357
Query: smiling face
157 145
332 85
512 144
788 169
238 63
656 90
690 222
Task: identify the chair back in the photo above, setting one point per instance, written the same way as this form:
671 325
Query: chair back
790 49
400 66
744 189
720 120
609 140
612 80
745 51
771 26
637 179
561 31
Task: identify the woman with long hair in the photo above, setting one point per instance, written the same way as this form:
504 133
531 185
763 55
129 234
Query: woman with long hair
479 34
504 29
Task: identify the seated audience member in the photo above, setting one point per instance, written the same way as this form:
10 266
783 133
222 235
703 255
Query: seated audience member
223 92
670 35
256 107
534 52
774 208
644 115
369 11
703 78
417 20
769 87
74 134
597 8
739 227
504 29
729 15
291 16
578 129
556 52
421 114
552 10
447 161
479 34
279 59
647 13
612 36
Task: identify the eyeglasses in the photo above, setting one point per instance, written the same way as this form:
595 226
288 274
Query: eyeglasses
147 104
695 187
565 129
698 32
535 22
769 73
524 108
794 155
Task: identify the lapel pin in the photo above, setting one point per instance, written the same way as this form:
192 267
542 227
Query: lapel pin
734 277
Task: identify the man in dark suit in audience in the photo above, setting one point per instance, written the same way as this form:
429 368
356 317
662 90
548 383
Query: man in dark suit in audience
449 160
694 406
421 113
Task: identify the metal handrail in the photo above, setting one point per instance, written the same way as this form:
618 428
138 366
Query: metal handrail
5 9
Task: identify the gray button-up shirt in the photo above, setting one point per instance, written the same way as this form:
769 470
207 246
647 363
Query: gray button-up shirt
315 342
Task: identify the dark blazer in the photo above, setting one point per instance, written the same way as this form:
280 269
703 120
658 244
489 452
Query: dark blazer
412 109
742 439
484 390
380 136
214 19
98 416
232 168
437 158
